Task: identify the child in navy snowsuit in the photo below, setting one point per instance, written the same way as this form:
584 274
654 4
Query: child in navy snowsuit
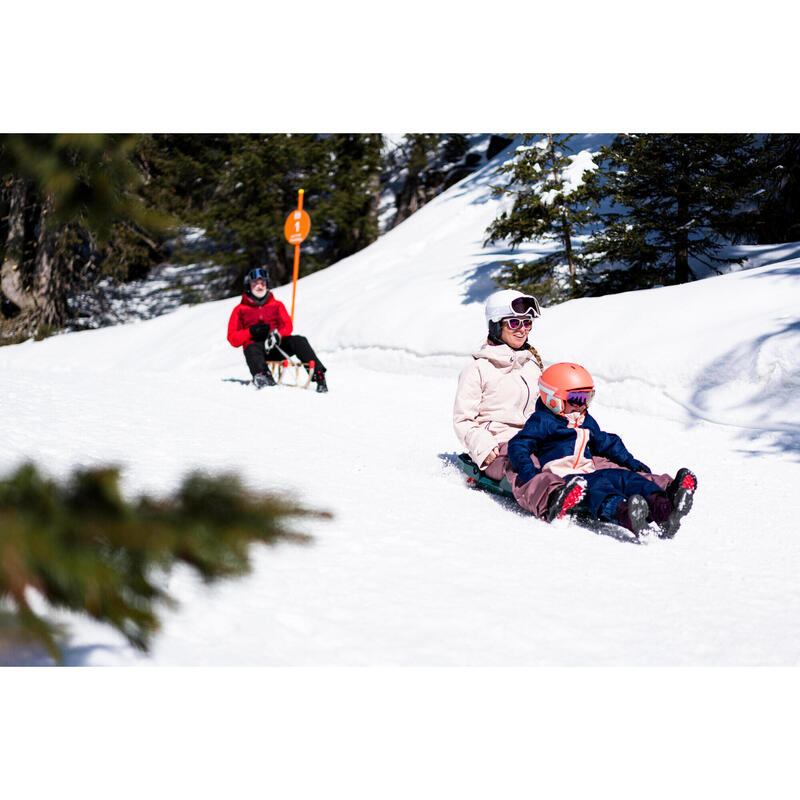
565 438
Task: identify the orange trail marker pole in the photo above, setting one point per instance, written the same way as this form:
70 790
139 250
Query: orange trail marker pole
295 229
296 254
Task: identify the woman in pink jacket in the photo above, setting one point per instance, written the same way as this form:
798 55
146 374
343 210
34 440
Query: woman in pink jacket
497 392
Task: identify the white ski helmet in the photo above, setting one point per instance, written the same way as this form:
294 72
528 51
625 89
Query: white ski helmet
508 303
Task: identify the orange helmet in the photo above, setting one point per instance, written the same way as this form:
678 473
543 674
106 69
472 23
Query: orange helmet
559 381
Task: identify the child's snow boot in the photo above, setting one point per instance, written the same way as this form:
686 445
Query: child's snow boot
566 498
681 506
684 479
632 514
262 379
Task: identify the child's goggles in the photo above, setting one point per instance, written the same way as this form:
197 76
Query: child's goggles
580 397
516 322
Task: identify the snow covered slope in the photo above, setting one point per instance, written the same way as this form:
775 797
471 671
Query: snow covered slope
416 569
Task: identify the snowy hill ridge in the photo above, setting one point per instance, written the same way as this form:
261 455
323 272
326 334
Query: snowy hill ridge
414 568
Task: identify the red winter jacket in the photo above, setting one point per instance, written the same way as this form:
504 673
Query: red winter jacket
247 313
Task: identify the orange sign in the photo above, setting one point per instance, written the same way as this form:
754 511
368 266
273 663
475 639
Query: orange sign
297 226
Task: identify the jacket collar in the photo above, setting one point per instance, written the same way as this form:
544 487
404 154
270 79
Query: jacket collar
253 303
502 355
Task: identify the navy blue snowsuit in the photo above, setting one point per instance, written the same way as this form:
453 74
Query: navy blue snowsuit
557 442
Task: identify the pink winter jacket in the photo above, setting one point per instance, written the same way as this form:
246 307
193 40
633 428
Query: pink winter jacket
496 394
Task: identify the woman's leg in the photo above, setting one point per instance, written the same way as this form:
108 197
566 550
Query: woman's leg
534 494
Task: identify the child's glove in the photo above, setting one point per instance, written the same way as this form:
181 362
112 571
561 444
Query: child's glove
638 466
259 331
273 340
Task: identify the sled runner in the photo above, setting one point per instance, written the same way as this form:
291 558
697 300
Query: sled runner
292 372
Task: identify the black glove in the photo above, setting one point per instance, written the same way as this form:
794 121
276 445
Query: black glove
273 340
259 331
638 466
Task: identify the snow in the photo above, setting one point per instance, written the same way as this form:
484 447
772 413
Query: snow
415 568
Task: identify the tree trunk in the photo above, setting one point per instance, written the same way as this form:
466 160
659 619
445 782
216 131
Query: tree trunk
682 239
17 299
565 226
32 282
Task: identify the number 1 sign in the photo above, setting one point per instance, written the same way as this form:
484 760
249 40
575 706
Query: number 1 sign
295 229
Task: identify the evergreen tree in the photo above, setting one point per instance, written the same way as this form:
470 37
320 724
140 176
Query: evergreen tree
239 188
348 208
85 548
545 208
64 199
414 157
678 196
778 201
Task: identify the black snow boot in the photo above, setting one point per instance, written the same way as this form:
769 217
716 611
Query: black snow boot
681 505
684 479
566 498
632 514
319 377
262 379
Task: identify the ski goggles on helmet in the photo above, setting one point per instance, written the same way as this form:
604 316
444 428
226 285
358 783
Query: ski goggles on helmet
257 274
580 397
526 305
514 323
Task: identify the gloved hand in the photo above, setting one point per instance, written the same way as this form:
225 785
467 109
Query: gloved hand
273 339
259 331
638 466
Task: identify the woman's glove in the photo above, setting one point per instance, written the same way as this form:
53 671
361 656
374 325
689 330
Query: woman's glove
638 466
259 331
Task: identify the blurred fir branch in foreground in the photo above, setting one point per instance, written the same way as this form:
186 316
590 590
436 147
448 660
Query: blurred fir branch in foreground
84 548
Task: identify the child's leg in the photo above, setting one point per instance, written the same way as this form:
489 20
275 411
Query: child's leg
607 487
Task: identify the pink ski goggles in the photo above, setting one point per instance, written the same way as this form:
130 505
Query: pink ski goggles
514 323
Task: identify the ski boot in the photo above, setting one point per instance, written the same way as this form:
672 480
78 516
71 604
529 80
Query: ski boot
566 498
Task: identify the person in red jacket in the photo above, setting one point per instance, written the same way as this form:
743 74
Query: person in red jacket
261 325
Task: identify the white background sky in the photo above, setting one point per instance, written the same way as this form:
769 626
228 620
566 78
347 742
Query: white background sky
398 732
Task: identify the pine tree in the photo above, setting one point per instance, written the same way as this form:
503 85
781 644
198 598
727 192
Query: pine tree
678 197
85 548
347 212
545 208
778 201
64 199
414 157
239 188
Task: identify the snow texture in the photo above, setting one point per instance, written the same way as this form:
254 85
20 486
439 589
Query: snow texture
416 568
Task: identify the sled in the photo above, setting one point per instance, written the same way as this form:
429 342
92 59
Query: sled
291 372
477 479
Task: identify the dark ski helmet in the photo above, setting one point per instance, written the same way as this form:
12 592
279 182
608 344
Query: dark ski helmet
254 275
508 303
